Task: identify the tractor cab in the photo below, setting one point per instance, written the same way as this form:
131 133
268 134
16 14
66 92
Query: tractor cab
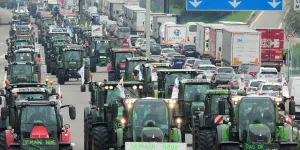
23 72
255 122
133 68
22 54
81 31
99 53
23 29
57 34
167 77
54 53
38 124
116 68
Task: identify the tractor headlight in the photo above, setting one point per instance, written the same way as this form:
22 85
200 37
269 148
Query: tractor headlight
102 57
278 100
178 121
106 87
172 103
123 121
140 87
235 100
134 87
111 87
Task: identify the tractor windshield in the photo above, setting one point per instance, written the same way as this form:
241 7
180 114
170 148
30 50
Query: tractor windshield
60 36
59 43
23 57
22 43
22 70
190 90
256 114
31 95
132 64
114 94
215 104
122 57
31 115
149 115
170 78
102 46
71 55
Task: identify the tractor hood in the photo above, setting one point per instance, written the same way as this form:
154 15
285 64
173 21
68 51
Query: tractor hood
259 133
152 134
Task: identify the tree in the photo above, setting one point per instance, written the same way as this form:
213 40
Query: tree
292 19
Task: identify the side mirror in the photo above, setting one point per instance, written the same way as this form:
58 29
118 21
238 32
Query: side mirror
221 107
5 68
4 113
72 112
292 108
114 111
82 88
6 57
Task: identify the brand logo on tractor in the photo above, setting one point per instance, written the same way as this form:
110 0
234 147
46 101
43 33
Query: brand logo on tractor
176 32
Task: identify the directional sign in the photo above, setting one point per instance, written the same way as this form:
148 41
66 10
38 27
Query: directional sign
296 4
289 36
233 5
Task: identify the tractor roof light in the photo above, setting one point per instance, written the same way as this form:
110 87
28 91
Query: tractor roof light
15 95
228 86
199 66
91 75
105 79
7 82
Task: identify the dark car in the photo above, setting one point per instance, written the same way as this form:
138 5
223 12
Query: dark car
184 47
155 49
243 68
235 80
178 61
222 75
191 53
253 70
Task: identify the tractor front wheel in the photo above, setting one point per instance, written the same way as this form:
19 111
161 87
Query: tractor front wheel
2 140
88 133
206 140
100 138
61 76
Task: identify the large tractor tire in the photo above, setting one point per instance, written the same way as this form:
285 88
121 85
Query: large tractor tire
66 148
195 128
88 133
111 76
93 64
206 140
2 140
61 76
230 147
101 138
86 75
48 69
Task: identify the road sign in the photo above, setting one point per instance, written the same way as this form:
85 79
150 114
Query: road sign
233 5
296 4
289 36
125 44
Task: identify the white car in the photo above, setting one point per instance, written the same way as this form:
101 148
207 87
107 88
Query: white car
132 39
208 70
164 52
252 86
138 43
269 88
269 74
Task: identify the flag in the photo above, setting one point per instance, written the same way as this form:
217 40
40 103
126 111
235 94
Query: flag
175 89
86 24
140 72
153 74
242 84
120 86
81 73
59 96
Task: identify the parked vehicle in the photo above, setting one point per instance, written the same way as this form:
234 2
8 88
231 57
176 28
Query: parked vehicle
243 68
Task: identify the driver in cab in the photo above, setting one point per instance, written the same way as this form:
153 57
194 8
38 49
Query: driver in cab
153 118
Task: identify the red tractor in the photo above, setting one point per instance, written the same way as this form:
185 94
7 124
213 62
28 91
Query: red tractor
117 65
39 125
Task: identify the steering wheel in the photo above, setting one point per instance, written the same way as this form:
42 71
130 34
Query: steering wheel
148 122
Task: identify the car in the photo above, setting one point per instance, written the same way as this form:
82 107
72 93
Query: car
222 75
269 88
201 62
155 49
164 52
236 79
208 70
132 39
177 61
138 43
243 68
270 74
252 85
189 62
252 70
170 55
122 32
184 47
143 46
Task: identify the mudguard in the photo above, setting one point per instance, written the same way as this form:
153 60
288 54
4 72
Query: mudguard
65 137
120 138
175 135
86 112
285 133
9 137
222 133
94 114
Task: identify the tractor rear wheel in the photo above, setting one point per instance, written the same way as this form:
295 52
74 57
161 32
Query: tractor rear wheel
61 76
230 147
206 140
93 64
2 140
88 133
100 138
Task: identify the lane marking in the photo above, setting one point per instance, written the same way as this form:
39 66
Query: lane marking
2 56
256 18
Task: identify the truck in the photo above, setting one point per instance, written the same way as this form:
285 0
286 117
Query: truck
215 44
272 43
174 34
233 23
241 46
115 9
158 21
128 13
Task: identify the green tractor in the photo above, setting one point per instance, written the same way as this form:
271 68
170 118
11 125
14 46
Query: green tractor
167 77
55 50
133 70
104 95
140 120
149 71
38 125
73 58
80 33
254 124
14 43
99 54
22 54
23 72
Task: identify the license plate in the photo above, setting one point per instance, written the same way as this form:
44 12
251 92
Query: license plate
122 71
179 62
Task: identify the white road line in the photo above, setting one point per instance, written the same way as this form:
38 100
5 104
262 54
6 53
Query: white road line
2 56
256 19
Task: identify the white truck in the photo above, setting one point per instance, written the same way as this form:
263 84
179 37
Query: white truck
241 46
128 13
158 22
115 9
233 23
174 34
138 24
215 44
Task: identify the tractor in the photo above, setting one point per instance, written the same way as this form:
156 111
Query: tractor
16 42
53 53
23 72
39 125
80 31
72 60
167 77
22 54
102 94
56 33
116 68
254 124
133 70
99 54
139 120
149 71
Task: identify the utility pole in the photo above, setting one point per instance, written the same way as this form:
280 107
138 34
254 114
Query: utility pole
166 6
147 28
